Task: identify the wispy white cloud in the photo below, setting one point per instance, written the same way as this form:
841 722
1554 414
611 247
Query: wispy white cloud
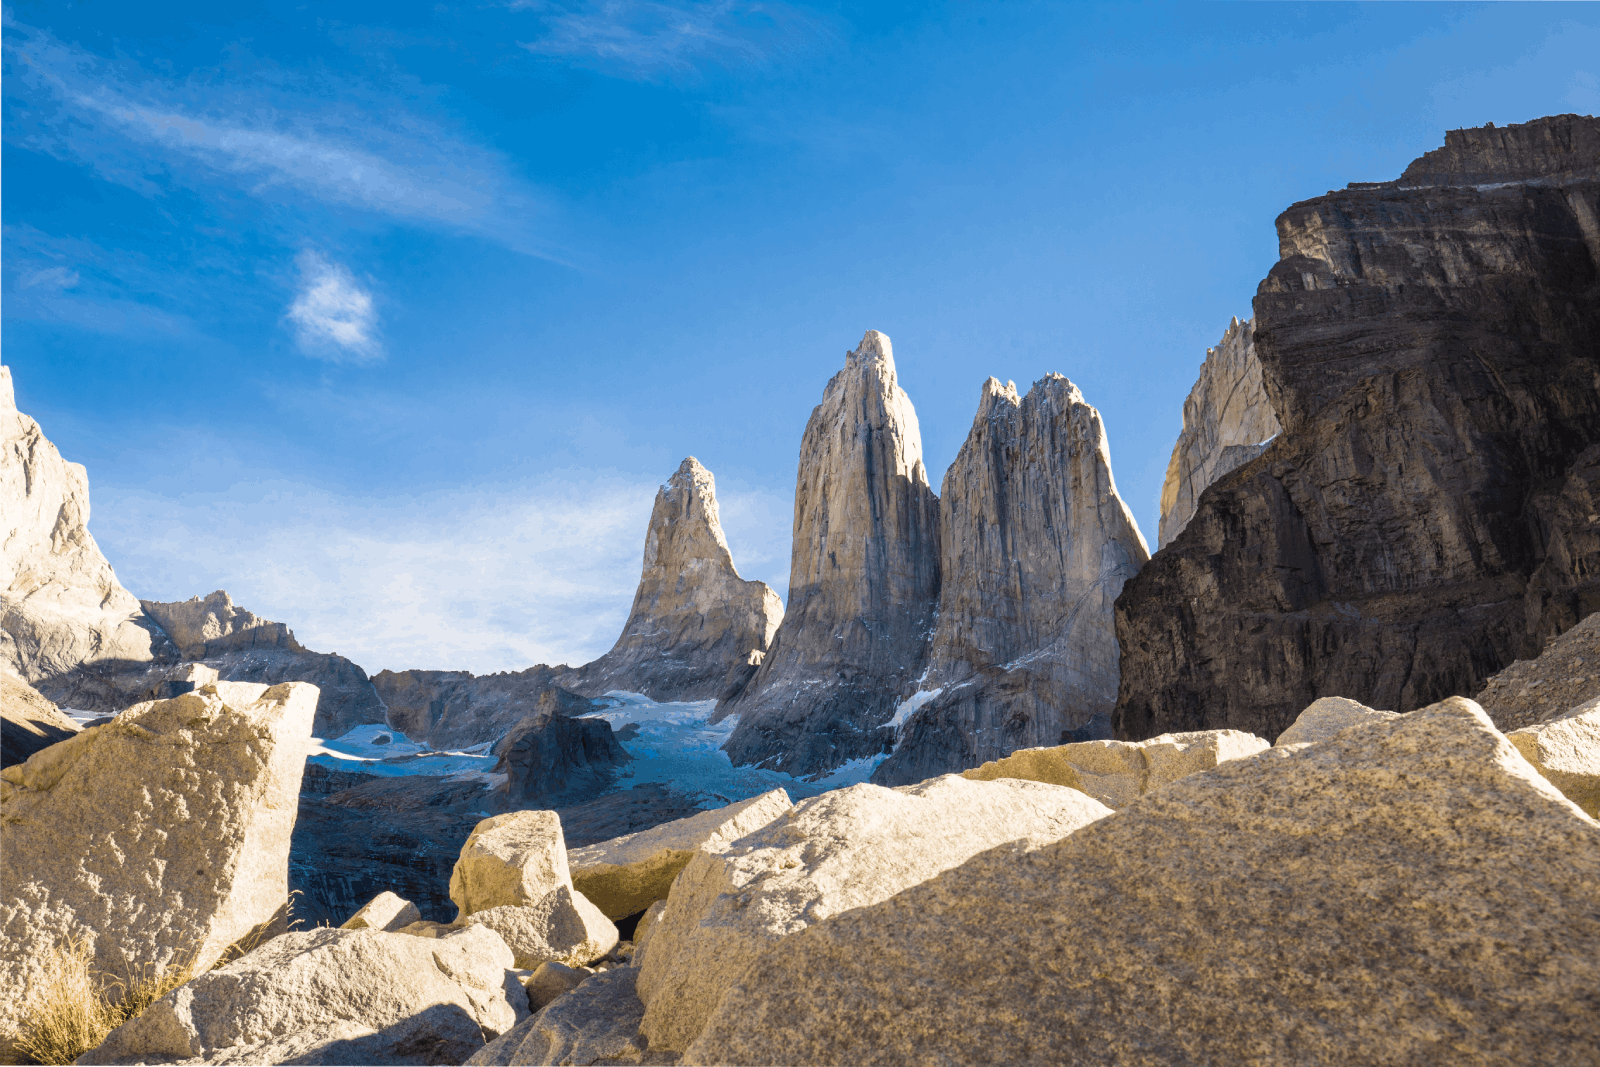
340 144
50 278
333 316
648 38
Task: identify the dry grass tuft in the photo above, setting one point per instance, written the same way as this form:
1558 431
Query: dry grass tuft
72 1008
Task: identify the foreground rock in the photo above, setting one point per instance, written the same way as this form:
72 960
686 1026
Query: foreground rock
1566 750
562 927
693 617
1328 716
517 858
28 722
1565 675
627 874
549 755
846 849
863 585
1116 773
1254 914
62 611
387 911
334 997
456 709
597 1022
1035 546
1227 421
157 840
1418 524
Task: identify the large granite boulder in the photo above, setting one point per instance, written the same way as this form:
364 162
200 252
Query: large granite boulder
62 611
1410 891
562 927
863 580
1116 773
1563 676
846 849
456 709
549 755
388 911
28 722
598 1022
1430 346
625 875
1566 750
243 647
693 617
1035 545
1327 716
516 858
1227 421
157 840
334 997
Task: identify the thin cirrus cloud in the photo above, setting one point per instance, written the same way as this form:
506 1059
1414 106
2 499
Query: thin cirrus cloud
651 38
267 139
333 317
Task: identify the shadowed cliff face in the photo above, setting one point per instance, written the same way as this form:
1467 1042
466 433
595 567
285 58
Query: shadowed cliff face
864 579
1035 546
1432 349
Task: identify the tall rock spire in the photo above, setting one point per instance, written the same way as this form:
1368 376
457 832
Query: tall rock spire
863 582
1035 545
694 619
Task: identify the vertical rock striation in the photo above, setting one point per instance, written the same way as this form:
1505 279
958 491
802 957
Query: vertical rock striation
863 582
693 617
1035 545
1431 347
1227 421
61 607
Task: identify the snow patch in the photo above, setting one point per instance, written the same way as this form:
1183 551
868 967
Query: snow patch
909 706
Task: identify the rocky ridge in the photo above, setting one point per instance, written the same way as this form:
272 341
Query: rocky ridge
1430 349
693 617
457 709
863 580
1035 545
1227 421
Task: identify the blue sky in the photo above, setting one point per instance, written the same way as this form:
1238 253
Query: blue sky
389 318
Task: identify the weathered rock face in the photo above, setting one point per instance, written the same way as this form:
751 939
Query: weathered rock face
1252 914
548 755
1227 421
157 840
1326 717
334 997
1116 773
387 911
28 722
516 858
243 647
1035 546
1565 675
1431 351
625 875
563 927
1566 750
863 579
693 617
598 1022
842 850
455 709
61 607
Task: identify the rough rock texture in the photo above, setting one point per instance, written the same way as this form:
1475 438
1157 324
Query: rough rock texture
693 617
334 997
1035 545
517 858
1326 717
61 607
645 927
1432 354
157 840
358 835
597 1022
549 755
842 850
387 911
1227 421
243 647
1566 750
455 709
1565 674
627 874
1116 773
564 927
1410 891
863 579
549 981
28 722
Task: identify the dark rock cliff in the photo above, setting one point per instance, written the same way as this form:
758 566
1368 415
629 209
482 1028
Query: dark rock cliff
551 754
457 709
1431 347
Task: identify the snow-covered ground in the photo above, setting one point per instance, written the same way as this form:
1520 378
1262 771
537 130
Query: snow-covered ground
675 744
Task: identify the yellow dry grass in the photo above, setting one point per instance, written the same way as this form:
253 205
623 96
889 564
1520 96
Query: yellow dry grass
72 1008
